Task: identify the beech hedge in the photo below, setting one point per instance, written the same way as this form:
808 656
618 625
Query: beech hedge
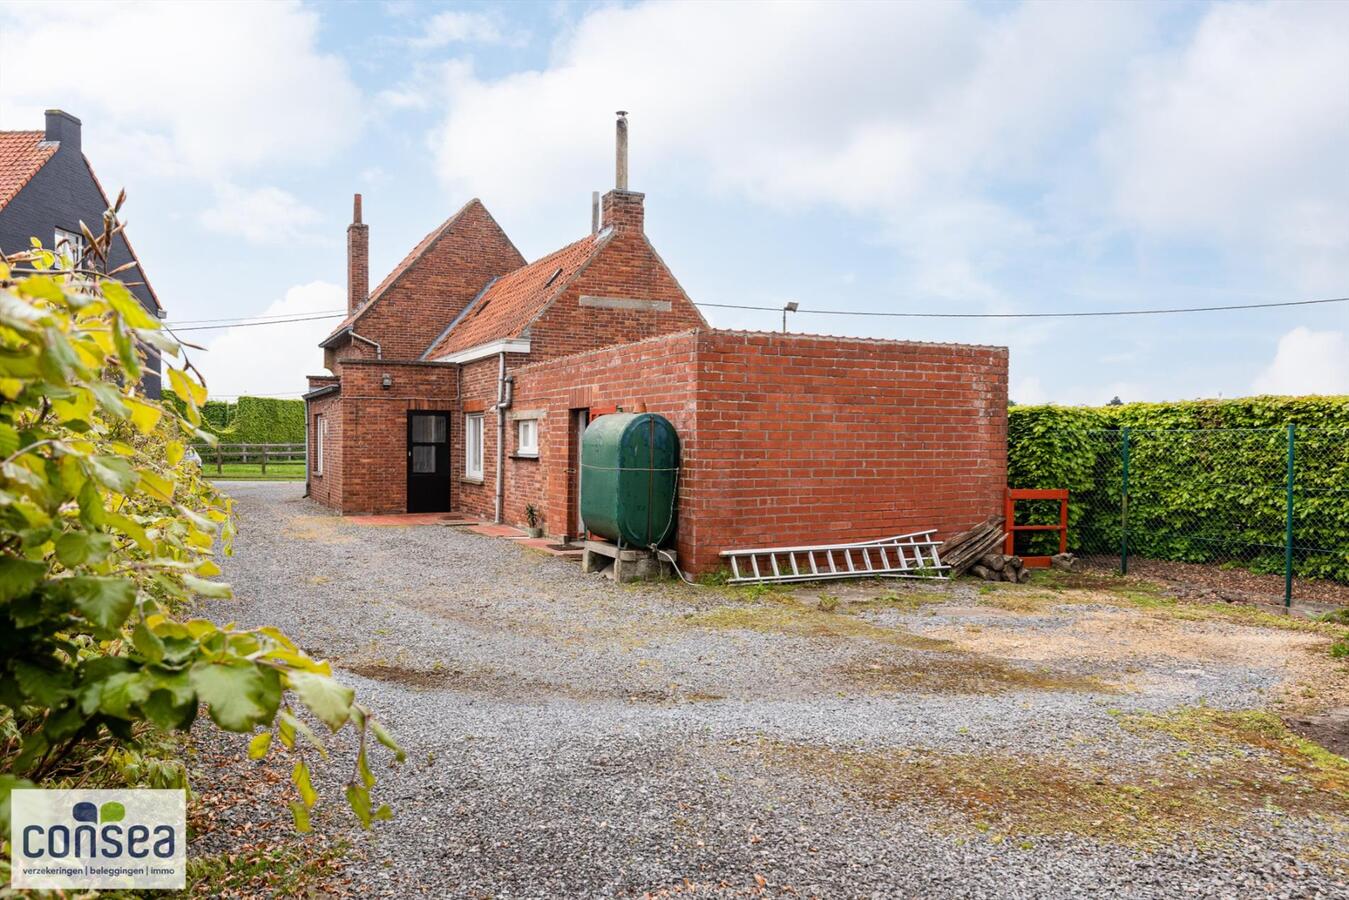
1207 478
251 420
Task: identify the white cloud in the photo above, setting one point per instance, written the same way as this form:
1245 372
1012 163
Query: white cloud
181 88
459 27
260 215
1239 137
793 105
271 359
1307 362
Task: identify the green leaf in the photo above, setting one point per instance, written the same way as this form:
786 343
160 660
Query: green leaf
19 577
358 798
299 776
106 602
328 699
121 694
207 588
387 740
241 694
9 439
10 783
363 769
300 813
147 643
44 685
127 306
112 472
258 746
76 548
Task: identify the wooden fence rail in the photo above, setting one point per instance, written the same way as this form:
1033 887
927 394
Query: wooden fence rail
246 453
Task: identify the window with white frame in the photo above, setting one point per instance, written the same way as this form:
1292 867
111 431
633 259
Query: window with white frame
69 243
527 437
473 446
320 441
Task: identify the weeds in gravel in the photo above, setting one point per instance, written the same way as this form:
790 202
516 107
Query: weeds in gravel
1007 795
967 674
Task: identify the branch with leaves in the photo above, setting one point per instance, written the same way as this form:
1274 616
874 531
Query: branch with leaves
108 533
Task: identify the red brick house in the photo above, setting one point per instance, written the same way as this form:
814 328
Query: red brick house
464 380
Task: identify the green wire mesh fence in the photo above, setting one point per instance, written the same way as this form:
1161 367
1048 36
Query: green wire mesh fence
1272 501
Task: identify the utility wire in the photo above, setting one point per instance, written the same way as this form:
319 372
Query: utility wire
1032 315
237 319
286 320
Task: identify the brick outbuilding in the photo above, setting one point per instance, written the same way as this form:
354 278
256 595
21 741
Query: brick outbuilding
464 380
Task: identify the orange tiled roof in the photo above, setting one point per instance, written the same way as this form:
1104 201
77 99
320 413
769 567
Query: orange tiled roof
397 272
515 299
22 154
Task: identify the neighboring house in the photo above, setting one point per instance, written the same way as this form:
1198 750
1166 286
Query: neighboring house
47 187
465 379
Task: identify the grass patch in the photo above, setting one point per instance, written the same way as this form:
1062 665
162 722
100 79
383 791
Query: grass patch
1236 733
1257 766
253 472
968 674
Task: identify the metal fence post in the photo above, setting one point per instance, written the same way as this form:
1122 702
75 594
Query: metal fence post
1288 524
1124 504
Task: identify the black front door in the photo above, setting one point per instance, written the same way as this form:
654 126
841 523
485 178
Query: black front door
428 462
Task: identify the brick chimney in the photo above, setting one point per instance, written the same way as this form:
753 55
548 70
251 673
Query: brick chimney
358 259
64 128
621 208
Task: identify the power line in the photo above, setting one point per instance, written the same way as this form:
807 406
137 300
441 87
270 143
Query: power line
1032 315
253 323
286 320
237 319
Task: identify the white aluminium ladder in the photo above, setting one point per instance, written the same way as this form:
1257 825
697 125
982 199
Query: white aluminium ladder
912 555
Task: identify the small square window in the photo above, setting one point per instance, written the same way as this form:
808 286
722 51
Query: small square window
69 243
527 437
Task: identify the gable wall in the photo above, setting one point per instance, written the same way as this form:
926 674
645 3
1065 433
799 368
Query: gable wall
436 287
62 194
627 268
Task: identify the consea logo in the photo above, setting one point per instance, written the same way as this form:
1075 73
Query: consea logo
98 839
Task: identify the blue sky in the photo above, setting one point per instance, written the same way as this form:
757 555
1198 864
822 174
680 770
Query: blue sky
903 157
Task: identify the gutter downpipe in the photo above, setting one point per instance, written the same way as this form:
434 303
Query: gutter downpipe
379 351
505 392
308 462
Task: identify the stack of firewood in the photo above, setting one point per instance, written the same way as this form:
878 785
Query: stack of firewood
969 547
999 567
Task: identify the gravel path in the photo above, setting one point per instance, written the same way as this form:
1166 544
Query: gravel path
568 737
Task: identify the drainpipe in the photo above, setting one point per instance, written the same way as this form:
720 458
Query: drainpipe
379 352
308 463
505 392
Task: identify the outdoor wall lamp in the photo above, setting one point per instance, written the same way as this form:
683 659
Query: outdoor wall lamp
386 382
792 306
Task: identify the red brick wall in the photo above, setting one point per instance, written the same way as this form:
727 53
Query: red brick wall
657 373
415 309
627 268
804 439
372 435
326 488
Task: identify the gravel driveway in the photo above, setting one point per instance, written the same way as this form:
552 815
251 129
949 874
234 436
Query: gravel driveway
568 737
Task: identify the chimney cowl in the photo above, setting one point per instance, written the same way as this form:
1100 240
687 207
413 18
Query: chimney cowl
621 151
62 128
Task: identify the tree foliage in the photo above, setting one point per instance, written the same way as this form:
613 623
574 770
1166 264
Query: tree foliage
107 535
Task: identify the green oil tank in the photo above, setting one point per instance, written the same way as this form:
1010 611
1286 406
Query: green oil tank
629 474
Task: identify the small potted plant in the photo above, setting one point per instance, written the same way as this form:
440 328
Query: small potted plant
532 517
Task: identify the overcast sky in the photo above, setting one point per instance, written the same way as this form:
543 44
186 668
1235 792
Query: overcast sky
899 156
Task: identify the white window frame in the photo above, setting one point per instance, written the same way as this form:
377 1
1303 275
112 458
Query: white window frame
74 239
531 427
320 435
473 446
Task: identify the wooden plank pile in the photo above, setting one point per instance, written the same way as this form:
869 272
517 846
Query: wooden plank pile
967 549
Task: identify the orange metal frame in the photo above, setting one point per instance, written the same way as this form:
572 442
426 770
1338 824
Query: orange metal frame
1015 494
